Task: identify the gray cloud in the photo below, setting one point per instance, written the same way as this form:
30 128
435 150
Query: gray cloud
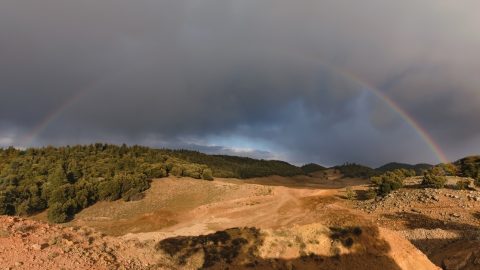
271 79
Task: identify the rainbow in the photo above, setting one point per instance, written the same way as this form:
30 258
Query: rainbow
28 139
394 106
422 132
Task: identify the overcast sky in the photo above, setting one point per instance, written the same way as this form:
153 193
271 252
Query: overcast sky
265 78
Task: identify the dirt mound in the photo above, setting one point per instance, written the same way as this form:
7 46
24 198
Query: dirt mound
311 246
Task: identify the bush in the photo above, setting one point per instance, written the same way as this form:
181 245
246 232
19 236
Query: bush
350 194
389 181
207 174
434 178
463 184
176 171
370 194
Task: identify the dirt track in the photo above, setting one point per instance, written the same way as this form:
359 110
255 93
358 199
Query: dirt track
222 204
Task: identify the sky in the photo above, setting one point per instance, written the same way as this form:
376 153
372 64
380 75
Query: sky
301 81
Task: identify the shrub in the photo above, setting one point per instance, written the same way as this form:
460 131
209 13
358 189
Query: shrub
207 174
370 194
434 178
389 181
463 184
350 194
176 171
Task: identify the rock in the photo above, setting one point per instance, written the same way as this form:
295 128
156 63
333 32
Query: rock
457 215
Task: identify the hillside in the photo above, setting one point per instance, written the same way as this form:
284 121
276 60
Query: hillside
353 170
312 167
65 180
418 168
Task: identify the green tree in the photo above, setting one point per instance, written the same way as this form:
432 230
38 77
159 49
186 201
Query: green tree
57 213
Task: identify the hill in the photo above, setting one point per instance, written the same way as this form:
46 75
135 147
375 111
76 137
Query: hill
65 180
353 170
312 167
418 168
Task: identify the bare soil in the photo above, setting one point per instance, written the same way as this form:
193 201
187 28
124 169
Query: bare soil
265 223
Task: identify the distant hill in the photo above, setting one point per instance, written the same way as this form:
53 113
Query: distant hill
353 170
236 167
312 167
419 168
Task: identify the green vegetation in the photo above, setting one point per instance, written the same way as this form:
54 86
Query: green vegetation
371 193
469 167
434 178
418 168
312 167
463 184
390 181
65 180
350 194
236 167
353 170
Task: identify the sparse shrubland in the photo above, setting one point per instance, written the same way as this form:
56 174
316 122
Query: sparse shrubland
65 180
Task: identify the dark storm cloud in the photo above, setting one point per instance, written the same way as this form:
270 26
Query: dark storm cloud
271 79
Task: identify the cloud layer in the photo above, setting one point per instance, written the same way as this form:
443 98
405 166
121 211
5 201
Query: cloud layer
274 79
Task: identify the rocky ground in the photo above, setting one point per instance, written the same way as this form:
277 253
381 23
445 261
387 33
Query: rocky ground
434 220
28 244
